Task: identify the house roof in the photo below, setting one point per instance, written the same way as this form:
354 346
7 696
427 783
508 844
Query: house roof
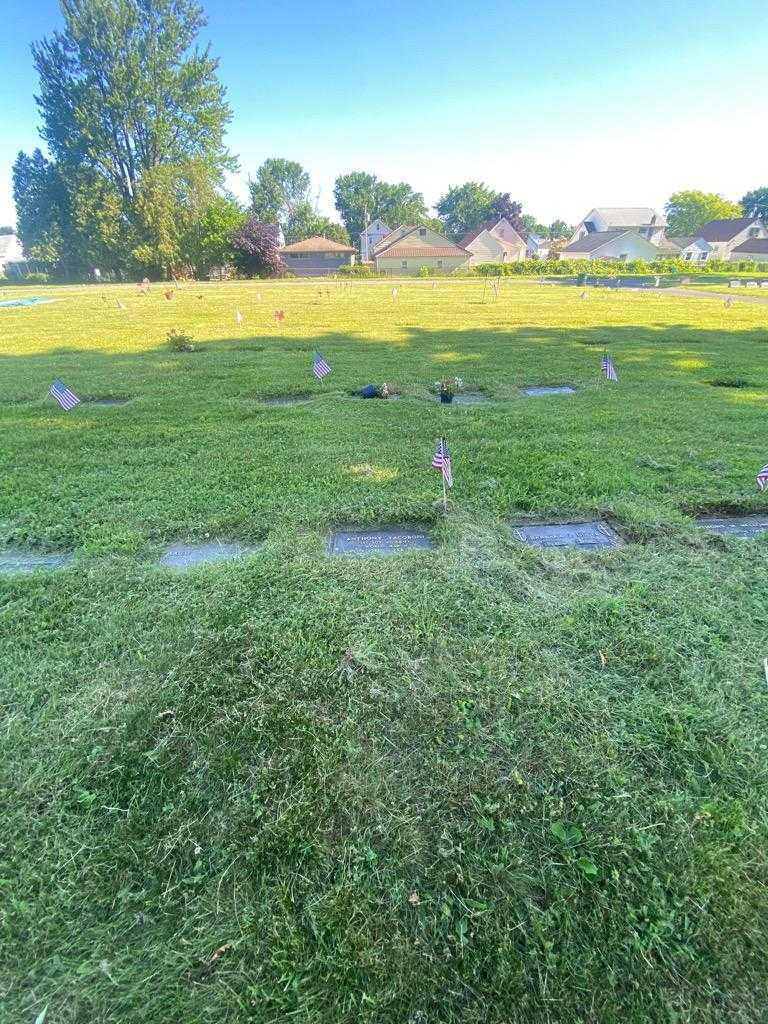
489 225
630 216
316 244
756 245
404 252
725 230
595 241
376 225
389 245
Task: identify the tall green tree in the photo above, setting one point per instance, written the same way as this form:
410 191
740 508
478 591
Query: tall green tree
361 198
512 211
124 89
464 207
755 203
42 209
559 229
688 212
209 242
306 222
280 186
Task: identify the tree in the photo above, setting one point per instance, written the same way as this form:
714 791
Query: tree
503 206
533 227
464 207
211 241
688 212
559 229
123 91
42 209
6 229
306 222
755 203
256 247
361 198
280 186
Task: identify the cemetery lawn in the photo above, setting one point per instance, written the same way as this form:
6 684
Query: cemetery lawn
484 783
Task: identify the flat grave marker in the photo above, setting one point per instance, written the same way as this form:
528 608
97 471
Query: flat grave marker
187 556
32 301
385 540
14 560
283 399
585 536
743 527
466 398
541 391
106 401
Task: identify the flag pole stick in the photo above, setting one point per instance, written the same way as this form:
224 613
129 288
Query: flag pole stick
442 475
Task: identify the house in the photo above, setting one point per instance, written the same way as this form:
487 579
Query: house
10 252
316 257
410 247
622 246
691 248
752 249
537 248
370 238
641 219
724 236
495 241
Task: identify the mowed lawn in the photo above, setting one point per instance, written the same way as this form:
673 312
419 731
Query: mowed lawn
484 783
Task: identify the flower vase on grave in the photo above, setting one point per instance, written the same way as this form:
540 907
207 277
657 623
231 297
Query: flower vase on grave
446 397
369 391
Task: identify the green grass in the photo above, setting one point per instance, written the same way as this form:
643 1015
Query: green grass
221 790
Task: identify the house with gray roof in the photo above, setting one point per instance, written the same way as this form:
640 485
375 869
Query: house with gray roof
726 235
645 221
620 245
752 249
316 257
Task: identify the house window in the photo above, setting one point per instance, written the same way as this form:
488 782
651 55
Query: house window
439 263
753 232
404 264
422 232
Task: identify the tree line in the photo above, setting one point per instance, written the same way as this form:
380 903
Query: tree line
134 117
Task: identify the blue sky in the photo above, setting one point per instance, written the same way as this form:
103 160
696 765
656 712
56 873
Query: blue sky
565 105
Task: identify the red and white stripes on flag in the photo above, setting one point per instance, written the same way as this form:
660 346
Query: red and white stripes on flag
442 460
762 478
608 368
67 399
319 367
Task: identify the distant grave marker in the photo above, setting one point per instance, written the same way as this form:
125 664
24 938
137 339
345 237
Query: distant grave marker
106 401
392 540
467 398
586 536
283 399
187 556
540 392
14 560
32 301
744 527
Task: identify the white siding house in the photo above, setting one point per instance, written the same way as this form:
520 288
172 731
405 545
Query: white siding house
371 237
642 219
10 252
724 236
495 241
752 249
621 246
692 249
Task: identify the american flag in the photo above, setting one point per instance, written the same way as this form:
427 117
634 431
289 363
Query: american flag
442 460
67 399
608 368
279 315
319 367
762 478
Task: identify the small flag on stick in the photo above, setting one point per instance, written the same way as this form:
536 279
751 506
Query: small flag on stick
319 367
762 478
279 315
394 294
67 399
238 317
442 461
121 305
608 368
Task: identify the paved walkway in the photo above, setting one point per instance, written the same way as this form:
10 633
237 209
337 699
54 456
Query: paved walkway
761 300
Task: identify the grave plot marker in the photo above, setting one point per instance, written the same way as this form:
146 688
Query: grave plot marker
392 540
543 390
744 527
586 536
187 556
14 560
